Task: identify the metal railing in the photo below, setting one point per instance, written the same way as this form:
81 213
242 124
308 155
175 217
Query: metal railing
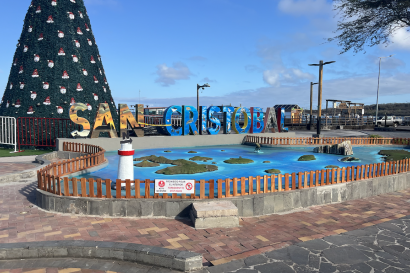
8 134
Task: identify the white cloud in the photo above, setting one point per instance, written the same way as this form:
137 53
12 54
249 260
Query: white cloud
168 75
305 7
302 75
400 40
207 80
271 77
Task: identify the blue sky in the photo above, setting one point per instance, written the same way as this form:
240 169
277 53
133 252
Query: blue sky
252 53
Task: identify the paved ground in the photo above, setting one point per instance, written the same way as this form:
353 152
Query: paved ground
302 241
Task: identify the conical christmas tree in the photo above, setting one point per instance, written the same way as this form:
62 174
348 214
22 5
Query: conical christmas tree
56 63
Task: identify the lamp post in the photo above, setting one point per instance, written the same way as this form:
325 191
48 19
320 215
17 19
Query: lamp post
320 64
311 100
197 93
378 82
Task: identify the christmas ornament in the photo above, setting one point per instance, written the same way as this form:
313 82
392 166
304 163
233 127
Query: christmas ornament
40 37
60 109
60 34
79 32
46 85
18 104
30 110
30 29
65 75
50 63
35 73
95 79
89 42
21 70
38 10
72 1
36 58
72 101
81 14
100 71
105 81
54 3
86 27
75 59
85 73
7 104
15 61
99 57
63 90
105 89
18 45
92 60
33 95
50 19
70 15
47 101
95 96
61 52
25 48
79 88
11 85
31 5
22 85
89 107
77 43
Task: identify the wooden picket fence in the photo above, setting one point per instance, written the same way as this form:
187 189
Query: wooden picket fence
50 177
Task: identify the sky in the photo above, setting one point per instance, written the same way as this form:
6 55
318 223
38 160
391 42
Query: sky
252 53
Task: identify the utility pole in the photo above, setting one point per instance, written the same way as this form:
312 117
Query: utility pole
319 116
311 106
378 82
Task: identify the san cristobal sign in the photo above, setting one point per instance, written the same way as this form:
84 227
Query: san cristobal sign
210 120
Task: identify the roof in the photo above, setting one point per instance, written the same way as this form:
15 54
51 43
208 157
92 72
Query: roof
287 106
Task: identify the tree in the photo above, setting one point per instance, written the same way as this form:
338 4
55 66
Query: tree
56 63
369 22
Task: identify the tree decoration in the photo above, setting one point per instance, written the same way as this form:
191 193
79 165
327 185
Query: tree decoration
18 103
49 40
21 70
89 107
72 1
33 95
30 110
72 101
35 73
47 101
60 110
7 104
65 75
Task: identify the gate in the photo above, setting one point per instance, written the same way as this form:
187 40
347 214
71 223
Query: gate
8 131
43 132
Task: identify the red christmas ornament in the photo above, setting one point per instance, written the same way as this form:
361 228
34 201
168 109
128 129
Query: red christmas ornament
77 43
50 63
79 88
63 90
65 75
60 109
54 2
25 48
86 27
15 61
95 79
60 34
61 52
89 107
11 85
89 42
36 58
35 73
92 60
33 95
40 37
21 70
46 85
22 85
75 58
105 81
38 10
18 104
30 29
50 19
85 73
95 96
79 32
72 101
72 1
81 14
70 15
47 101
105 89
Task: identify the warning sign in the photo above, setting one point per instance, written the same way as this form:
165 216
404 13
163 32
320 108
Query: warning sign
174 186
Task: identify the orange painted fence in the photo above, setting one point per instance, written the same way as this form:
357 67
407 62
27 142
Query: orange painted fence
325 140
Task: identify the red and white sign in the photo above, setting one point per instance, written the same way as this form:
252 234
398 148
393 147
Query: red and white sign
174 186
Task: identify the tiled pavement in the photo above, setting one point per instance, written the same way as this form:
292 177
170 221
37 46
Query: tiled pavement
21 221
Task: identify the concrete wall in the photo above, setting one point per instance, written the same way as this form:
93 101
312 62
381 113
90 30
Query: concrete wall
152 142
252 205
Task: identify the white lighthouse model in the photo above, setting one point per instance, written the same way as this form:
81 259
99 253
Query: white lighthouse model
125 163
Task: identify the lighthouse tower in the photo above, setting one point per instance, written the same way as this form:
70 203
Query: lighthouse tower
125 163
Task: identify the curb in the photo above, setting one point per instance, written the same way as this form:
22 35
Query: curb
151 255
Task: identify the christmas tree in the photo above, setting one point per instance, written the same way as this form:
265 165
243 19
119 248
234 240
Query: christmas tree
56 64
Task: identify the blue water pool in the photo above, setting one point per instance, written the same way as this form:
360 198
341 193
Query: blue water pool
282 158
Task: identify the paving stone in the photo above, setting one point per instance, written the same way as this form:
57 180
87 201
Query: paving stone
317 244
274 267
345 255
299 255
231 266
340 240
327 267
254 260
280 254
362 267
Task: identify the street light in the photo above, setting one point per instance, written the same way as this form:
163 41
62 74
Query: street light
197 94
378 81
320 64
311 99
